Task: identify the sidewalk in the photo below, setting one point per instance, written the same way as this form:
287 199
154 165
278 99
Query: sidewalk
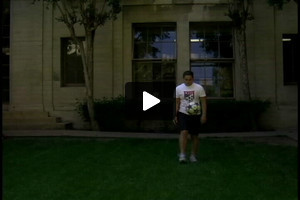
101 134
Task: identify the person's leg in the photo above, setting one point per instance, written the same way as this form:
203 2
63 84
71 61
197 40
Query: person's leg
194 130
195 145
183 139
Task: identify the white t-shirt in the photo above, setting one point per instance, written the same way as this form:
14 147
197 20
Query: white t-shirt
188 94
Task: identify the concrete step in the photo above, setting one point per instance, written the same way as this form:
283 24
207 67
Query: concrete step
40 126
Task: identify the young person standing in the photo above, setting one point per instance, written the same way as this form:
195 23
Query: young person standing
189 124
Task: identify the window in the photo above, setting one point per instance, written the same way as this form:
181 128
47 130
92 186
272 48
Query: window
154 52
72 68
5 28
211 54
290 62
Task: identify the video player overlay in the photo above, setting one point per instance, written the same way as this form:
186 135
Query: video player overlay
164 110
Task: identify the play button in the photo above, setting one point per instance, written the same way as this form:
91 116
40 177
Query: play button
149 101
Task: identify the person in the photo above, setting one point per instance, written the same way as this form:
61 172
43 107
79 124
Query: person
189 124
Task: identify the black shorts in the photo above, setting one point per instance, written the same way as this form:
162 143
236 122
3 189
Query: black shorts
191 123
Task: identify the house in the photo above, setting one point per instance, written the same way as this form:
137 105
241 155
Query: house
153 40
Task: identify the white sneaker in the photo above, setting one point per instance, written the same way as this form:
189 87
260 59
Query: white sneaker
182 158
193 158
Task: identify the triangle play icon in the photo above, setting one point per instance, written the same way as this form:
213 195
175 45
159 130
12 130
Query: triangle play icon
149 101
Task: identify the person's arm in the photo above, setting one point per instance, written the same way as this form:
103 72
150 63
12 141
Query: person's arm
204 110
177 109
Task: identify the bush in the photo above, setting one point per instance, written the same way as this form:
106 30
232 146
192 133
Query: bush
231 115
109 113
223 116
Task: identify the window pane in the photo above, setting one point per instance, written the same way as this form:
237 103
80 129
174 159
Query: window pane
226 45
211 40
154 50
168 34
197 50
5 31
154 34
168 71
72 68
152 41
140 50
211 49
4 58
153 71
205 49
226 49
168 51
216 78
5 19
142 72
211 34
5 42
290 62
225 80
140 35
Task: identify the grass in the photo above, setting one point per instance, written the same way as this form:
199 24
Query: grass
121 169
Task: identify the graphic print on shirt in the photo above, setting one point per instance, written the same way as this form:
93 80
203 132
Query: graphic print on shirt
189 95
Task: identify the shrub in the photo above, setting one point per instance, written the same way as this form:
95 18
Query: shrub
109 113
231 115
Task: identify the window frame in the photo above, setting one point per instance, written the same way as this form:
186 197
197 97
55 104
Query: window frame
153 60
216 60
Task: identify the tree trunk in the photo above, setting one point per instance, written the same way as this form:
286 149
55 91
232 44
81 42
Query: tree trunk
87 56
239 13
91 109
89 60
240 34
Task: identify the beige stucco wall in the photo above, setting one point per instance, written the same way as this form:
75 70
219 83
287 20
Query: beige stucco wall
266 64
35 54
25 56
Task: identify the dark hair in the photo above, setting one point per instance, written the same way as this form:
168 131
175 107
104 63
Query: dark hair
188 73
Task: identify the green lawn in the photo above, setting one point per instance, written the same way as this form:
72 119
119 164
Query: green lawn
144 169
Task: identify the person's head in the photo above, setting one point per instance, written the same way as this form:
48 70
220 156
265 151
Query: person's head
188 77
